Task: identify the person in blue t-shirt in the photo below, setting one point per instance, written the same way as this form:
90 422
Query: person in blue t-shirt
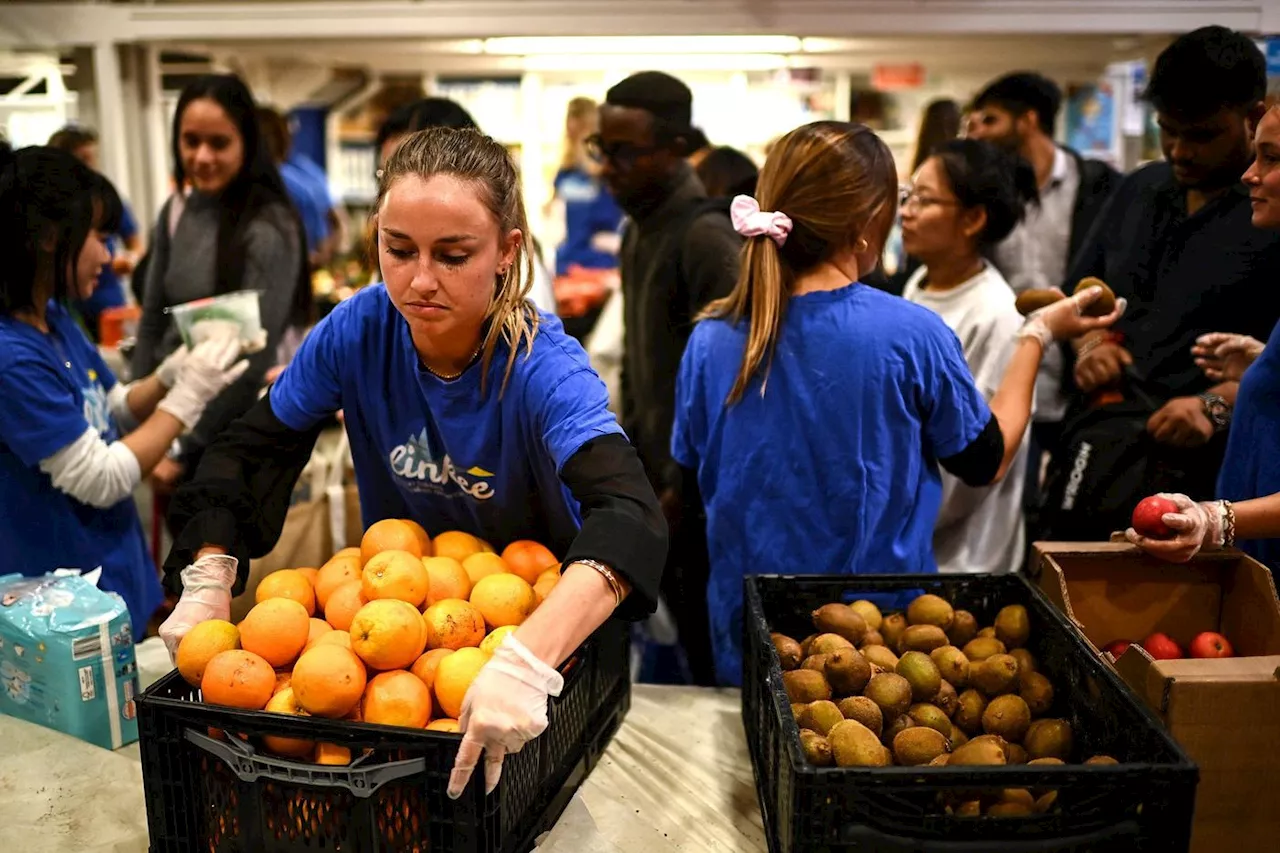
591 216
124 244
812 411
466 409
74 443
310 197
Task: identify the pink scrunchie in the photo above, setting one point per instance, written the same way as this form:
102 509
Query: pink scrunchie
750 221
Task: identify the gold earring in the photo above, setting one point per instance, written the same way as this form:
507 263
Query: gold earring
862 245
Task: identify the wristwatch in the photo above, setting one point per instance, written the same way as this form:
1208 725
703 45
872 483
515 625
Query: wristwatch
1217 410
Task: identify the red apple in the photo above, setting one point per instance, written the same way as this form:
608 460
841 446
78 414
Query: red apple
1162 647
1148 517
1210 644
1117 647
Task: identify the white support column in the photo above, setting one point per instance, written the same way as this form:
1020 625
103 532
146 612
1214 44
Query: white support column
109 93
155 128
844 92
531 149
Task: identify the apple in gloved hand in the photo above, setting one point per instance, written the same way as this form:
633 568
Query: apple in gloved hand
1148 517
1162 647
1115 648
1211 644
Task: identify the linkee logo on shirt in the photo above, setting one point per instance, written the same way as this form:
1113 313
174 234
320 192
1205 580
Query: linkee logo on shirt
96 411
414 461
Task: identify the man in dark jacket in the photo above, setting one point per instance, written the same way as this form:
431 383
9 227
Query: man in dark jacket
1018 112
679 251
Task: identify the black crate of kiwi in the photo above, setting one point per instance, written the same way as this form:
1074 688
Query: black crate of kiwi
947 713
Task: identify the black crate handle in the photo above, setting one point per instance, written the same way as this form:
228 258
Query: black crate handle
866 838
246 763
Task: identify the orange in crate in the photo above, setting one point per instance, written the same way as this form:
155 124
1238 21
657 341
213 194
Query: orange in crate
396 699
453 624
390 534
395 574
277 629
342 569
287 583
388 634
448 579
344 604
329 681
238 679
456 544
332 753
201 644
528 559
285 702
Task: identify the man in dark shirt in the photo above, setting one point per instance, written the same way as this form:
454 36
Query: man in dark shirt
679 251
1175 240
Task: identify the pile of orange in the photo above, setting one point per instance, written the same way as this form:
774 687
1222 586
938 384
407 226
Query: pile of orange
392 632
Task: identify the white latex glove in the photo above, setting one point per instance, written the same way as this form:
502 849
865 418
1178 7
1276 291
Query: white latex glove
1063 319
1198 525
206 594
505 708
169 369
1224 357
206 372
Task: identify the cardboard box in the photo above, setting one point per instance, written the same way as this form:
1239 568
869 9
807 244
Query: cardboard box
1225 713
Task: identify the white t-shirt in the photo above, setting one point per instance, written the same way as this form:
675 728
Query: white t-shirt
979 529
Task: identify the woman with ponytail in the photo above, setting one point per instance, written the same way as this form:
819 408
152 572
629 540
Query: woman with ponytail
74 443
814 411
967 197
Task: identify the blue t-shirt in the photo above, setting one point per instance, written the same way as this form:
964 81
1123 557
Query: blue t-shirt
1251 466
53 388
311 200
443 453
110 290
589 210
835 470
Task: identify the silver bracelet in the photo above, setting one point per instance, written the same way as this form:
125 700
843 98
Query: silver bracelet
608 574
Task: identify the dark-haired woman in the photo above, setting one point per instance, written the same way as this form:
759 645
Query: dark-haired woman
966 198
229 227
74 443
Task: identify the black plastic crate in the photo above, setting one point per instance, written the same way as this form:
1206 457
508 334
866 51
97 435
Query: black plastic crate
1143 804
224 796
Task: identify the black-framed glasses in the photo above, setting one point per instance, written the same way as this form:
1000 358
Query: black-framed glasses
621 154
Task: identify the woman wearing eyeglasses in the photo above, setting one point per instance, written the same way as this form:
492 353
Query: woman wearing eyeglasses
966 198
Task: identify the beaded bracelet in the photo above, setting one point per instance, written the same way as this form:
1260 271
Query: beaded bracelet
1229 526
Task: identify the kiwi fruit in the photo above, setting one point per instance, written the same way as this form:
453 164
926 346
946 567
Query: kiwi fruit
789 654
958 737
854 745
891 692
1017 795
797 709
1003 809
969 808
820 716
988 632
871 638
869 612
922 638
825 644
804 645
1046 802
1102 759
930 717
918 745
863 710
1015 754
816 749
964 627
1013 626
839 620
978 752
996 675
1031 301
952 665
921 674
940 760
872 617
894 728
817 663
1027 663
1009 718
847 672
1046 762
1104 304
931 609
947 698
880 656
981 648
1051 739
805 686
1037 691
970 706
891 628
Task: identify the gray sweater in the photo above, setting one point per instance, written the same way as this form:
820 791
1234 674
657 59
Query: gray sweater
182 268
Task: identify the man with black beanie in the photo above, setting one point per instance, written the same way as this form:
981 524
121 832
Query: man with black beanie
679 252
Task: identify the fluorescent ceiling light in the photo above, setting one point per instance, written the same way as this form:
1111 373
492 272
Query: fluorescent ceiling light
561 45
641 61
